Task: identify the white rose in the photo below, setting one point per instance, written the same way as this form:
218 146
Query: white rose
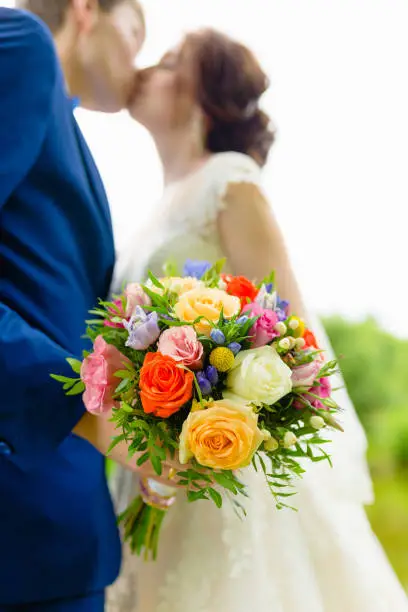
259 376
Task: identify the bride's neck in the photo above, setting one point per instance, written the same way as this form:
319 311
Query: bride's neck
180 155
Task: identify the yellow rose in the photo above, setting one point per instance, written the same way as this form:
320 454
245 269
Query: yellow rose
176 284
224 436
207 303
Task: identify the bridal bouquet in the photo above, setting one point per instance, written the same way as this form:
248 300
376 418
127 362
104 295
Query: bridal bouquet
213 369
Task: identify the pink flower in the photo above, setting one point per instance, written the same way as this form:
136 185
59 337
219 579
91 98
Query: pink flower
115 312
305 375
135 296
323 390
97 372
181 343
263 330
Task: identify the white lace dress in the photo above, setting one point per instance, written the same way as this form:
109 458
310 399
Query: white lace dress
323 558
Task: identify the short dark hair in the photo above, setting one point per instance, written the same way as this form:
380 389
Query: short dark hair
53 12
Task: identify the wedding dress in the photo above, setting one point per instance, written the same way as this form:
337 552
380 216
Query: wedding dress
323 558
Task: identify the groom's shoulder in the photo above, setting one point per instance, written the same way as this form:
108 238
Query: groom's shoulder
25 36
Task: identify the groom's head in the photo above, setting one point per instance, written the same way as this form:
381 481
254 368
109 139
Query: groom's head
97 42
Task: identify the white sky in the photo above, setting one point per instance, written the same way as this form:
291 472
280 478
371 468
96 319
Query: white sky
337 178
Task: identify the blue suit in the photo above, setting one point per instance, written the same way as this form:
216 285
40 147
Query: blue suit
58 535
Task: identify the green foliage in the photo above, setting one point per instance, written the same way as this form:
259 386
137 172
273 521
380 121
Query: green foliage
374 365
375 371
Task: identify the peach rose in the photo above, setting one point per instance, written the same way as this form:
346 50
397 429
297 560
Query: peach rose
224 436
207 303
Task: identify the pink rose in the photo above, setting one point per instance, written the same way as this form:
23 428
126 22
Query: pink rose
181 343
305 375
263 330
135 296
97 372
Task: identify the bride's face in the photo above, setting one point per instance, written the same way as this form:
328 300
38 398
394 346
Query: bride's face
164 95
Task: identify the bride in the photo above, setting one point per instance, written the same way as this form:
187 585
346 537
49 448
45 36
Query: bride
200 104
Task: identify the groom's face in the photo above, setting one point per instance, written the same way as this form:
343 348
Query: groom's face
106 54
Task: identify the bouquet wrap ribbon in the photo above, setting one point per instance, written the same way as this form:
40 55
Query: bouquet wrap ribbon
156 494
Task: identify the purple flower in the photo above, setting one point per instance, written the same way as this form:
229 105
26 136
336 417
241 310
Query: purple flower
217 336
283 305
211 374
195 268
281 314
143 329
235 347
269 287
204 383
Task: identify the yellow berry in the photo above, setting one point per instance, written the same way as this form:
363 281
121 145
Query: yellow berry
297 326
222 359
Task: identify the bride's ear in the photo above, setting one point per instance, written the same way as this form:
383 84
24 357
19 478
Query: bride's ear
85 14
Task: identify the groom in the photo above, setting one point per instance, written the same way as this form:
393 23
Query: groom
59 542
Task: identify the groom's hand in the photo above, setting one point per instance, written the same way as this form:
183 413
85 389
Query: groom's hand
99 431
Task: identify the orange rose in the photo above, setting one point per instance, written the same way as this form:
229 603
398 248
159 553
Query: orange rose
309 339
241 287
164 386
224 436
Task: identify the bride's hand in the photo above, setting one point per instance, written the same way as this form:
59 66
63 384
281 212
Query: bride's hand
99 431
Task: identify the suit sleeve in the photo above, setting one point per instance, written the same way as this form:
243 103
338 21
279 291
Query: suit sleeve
35 416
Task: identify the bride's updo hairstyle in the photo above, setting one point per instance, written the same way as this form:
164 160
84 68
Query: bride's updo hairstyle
228 83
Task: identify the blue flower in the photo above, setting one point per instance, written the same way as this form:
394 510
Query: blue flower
212 374
242 320
235 347
269 287
217 336
194 268
204 383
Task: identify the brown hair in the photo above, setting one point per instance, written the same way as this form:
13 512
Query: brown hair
228 83
53 12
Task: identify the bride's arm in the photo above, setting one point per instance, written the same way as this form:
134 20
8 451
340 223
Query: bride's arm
253 242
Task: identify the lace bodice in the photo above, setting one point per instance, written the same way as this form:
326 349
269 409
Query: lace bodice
184 223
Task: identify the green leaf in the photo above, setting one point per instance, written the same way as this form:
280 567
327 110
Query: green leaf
215 496
115 442
122 385
145 457
122 374
160 452
75 365
155 281
225 482
195 495
157 464
76 389
126 408
64 379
